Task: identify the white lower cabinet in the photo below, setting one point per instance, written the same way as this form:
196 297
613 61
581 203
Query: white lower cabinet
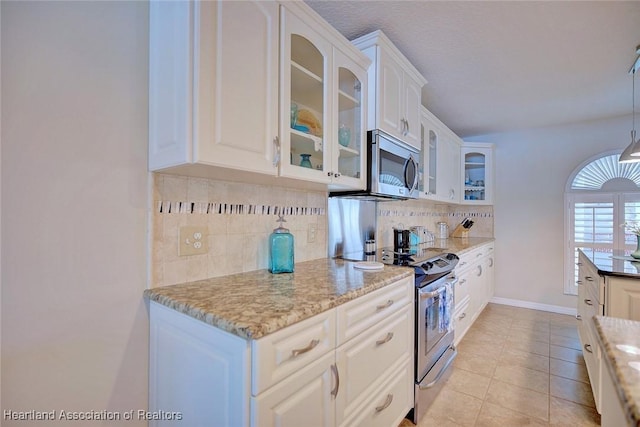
474 288
305 395
316 369
613 414
364 360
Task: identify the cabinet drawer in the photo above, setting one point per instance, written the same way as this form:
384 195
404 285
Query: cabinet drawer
462 318
470 257
462 289
367 358
387 405
280 354
358 315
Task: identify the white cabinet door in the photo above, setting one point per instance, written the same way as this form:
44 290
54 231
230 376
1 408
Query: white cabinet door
362 361
349 139
390 96
237 85
411 108
196 369
303 398
624 298
448 180
399 102
305 113
213 91
477 173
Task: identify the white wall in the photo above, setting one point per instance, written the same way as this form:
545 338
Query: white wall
532 168
74 207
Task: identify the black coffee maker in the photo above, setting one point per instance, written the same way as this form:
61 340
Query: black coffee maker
401 240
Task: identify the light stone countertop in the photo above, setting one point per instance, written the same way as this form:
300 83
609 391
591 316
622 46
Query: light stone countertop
616 336
254 304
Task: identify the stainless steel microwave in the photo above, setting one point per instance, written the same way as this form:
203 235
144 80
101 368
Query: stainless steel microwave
392 170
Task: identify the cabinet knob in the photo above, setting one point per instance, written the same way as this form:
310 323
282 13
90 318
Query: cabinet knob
337 175
329 174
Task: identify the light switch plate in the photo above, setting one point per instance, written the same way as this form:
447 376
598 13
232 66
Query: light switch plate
312 231
193 240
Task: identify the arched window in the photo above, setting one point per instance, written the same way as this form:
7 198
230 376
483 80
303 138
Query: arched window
601 194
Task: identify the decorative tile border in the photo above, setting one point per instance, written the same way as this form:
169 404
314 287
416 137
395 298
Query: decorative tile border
398 212
212 208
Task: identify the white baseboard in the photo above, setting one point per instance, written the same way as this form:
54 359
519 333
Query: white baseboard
535 306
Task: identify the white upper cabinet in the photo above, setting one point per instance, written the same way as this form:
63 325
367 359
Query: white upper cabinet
477 173
448 185
213 90
440 158
395 88
322 98
255 86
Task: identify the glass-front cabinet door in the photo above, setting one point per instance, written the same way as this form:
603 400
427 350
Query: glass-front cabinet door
305 113
429 136
349 138
477 169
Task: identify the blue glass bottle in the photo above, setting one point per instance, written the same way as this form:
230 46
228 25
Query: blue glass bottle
281 249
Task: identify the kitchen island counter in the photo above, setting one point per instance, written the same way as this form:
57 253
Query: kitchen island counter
620 340
257 303
617 263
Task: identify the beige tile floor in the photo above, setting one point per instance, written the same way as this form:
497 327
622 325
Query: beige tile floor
516 367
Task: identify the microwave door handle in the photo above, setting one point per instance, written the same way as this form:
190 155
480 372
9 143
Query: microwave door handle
413 185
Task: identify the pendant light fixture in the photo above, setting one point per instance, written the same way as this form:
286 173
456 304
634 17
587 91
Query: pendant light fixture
631 154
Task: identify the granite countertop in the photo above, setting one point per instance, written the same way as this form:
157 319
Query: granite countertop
616 263
459 245
254 304
620 339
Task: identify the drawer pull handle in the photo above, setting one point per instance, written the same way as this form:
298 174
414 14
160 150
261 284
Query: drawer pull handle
579 282
588 302
385 339
334 370
462 263
479 255
463 281
579 264
462 316
297 352
386 305
578 317
589 278
386 403
588 348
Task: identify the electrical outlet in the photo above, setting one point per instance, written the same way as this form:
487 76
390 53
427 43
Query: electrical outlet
311 233
193 240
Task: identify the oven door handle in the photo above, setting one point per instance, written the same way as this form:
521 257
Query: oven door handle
439 291
441 373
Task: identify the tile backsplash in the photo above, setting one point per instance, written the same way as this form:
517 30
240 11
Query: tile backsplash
240 217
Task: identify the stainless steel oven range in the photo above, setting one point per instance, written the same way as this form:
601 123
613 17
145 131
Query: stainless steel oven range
434 307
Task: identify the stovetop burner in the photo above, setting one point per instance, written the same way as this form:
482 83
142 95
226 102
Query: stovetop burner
429 263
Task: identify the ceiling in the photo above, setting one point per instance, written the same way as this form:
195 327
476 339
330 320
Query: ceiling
495 66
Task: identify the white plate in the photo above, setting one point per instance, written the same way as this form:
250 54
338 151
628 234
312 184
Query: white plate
369 265
390 179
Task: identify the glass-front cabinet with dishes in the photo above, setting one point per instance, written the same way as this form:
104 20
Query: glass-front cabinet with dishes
429 136
477 170
322 138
